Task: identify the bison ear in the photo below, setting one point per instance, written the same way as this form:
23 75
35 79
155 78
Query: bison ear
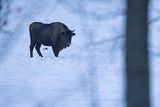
73 33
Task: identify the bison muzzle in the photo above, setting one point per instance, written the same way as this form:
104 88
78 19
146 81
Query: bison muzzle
56 34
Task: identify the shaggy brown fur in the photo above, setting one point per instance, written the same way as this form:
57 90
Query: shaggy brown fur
55 34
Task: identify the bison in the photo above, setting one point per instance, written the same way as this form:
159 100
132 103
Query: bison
56 34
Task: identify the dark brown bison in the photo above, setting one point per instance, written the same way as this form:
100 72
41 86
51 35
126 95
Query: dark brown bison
55 34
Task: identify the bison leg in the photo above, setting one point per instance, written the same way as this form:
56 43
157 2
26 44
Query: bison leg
55 51
38 45
33 43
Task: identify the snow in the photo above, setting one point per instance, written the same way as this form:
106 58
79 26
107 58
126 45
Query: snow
90 73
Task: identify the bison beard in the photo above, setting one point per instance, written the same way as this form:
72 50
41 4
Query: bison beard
56 34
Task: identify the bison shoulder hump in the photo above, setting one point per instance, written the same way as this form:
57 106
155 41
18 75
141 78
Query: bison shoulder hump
35 25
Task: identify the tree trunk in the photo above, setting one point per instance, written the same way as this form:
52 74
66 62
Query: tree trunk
137 72
0 5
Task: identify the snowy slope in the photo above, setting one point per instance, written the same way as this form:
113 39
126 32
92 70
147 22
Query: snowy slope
90 73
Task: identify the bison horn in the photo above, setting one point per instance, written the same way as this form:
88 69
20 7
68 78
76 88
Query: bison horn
73 30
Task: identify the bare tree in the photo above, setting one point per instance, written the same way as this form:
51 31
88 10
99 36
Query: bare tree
137 72
5 33
0 4
0 11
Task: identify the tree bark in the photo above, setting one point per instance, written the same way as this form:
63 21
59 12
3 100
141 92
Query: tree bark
137 70
0 5
0 12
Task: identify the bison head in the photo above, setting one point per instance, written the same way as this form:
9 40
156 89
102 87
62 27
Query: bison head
67 37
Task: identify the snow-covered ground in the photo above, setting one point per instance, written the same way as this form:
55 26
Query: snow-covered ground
90 73
155 52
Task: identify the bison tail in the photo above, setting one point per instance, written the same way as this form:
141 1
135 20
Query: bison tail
30 34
